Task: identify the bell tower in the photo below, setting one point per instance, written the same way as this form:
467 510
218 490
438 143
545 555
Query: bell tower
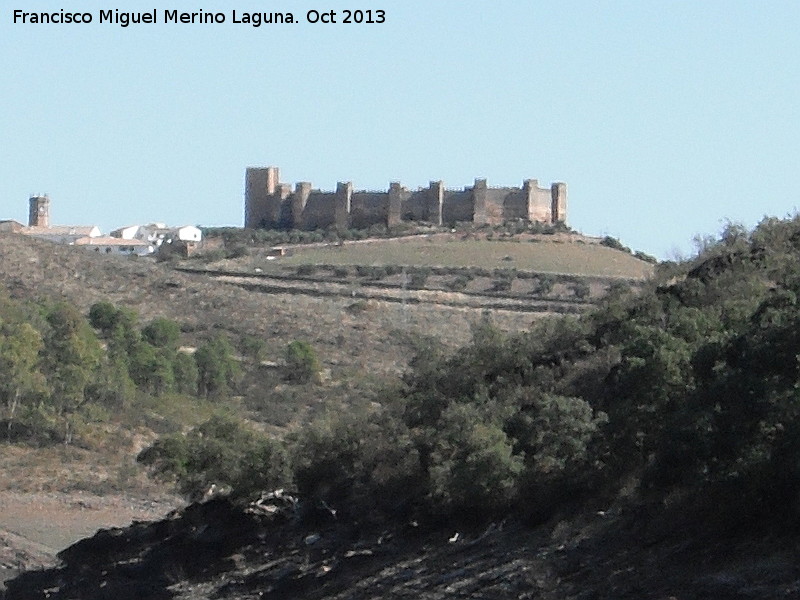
39 211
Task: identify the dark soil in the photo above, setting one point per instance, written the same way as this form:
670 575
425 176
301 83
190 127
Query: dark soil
216 550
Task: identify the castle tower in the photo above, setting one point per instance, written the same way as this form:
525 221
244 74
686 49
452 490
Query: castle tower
558 212
260 207
479 194
341 215
39 211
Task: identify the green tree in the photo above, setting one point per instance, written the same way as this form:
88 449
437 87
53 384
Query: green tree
72 355
473 465
253 347
302 364
104 316
162 333
20 375
217 369
185 371
358 461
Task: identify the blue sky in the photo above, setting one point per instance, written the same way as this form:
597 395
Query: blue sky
664 118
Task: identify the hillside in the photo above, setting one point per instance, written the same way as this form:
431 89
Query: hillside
30 268
33 269
537 273
359 342
366 334
646 450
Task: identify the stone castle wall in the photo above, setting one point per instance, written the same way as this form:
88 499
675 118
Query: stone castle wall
270 204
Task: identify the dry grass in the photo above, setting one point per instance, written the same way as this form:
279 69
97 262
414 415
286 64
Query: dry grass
366 341
539 254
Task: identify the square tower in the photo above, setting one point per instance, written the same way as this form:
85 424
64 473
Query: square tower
39 211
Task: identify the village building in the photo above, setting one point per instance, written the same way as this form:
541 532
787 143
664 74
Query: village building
185 237
39 225
140 240
11 226
113 245
62 234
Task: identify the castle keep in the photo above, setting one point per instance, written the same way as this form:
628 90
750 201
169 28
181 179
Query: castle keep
270 204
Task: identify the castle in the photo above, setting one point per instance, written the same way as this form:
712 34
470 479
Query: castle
270 204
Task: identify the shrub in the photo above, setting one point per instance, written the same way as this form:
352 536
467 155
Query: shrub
645 257
503 279
393 270
306 270
238 251
103 316
544 284
357 461
253 347
162 333
553 431
221 451
369 272
473 465
217 370
581 289
186 374
460 283
419 277
501 285
612 242
302 365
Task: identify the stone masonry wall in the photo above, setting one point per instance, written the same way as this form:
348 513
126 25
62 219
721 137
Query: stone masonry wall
273 205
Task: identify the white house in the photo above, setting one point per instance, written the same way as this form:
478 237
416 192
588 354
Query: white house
126 233
188 233
115 245
158 233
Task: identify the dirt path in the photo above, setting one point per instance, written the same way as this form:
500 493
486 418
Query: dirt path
36 526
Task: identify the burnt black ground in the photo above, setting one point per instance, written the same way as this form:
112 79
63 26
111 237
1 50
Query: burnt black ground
219 550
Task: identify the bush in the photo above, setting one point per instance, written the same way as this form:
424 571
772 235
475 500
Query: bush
612 242
238 251
306 270
581 289
371 273
221 451
103 316
645 257
162 333
253 347
473 465
186 374
543 285
302 365
217 369
460 283
419 277
357 461
503 279
501 285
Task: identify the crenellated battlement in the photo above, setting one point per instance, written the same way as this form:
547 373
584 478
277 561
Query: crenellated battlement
271 204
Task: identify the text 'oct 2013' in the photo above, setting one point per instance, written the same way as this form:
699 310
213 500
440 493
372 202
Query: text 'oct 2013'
122 18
